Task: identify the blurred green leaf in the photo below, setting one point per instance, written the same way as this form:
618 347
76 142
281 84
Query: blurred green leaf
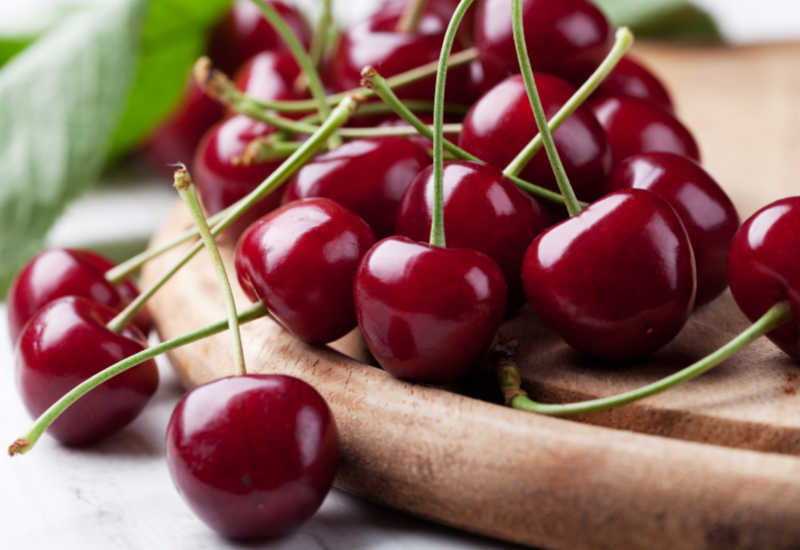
663 19
12 45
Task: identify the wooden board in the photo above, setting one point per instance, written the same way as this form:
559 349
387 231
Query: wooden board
560 483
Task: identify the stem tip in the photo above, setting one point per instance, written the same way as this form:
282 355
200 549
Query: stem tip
20 446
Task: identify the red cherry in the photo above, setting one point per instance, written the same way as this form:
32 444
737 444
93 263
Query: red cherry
60 272
616 282
501 124
764 268
67 342
300 260
706 211
270 76
428 314
569 38
636 126
483 211
253 456
367 176
632 79
245 32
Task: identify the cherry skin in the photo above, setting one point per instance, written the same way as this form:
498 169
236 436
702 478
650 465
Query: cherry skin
632 79
59 272
764 268
616 282
271 76
636 126
483 211
67 342
253 456
245 32
300 260
367 176
705 209
501 124
428 314
569 38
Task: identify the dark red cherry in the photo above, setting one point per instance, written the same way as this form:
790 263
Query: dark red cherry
67 342
501 124
253 456
569 38
616 282
764 268
483 211
60 272
636 126
632 79
245 32
366 176
270 76
428 314
705 209
300 260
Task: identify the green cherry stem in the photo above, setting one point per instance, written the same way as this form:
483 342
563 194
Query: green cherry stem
26 443
409 20
183 183
510 379
319 41
623 42
571 201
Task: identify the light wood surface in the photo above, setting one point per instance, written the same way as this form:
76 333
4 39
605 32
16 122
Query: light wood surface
561 483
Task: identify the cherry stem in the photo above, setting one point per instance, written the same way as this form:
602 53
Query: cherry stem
624 41
571 201
319 41
510 379
412 14
26 443
186 189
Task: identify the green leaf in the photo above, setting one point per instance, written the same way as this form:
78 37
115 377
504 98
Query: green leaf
12 45
663 19
60 100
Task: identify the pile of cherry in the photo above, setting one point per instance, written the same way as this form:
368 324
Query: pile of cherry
345 243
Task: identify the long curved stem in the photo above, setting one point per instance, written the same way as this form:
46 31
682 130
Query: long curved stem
321 33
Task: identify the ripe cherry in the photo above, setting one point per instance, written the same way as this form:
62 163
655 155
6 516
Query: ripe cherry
253 456
501 124
366 176
632 79
636 126
705 209
244 33
300 260
569 38
428 314
60 272
764 268
270 76
65 343
483 211
616 282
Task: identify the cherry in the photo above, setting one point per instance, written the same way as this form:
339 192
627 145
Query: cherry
636 126
569 38
483 211
705 209
244 33
428 314
65 343
253 456
617 281
367 176
270 76
764 268
60 272
300 260
632 79
501 124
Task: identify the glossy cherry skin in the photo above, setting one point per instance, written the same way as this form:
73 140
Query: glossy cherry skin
617 282
707 213
483 211
270 76
632 79
428 314
245 32
59 272
366 176
67 342
569 38
253 456
300 260
764 268
636 126
501 124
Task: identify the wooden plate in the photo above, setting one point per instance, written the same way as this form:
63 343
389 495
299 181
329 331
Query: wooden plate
560 483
